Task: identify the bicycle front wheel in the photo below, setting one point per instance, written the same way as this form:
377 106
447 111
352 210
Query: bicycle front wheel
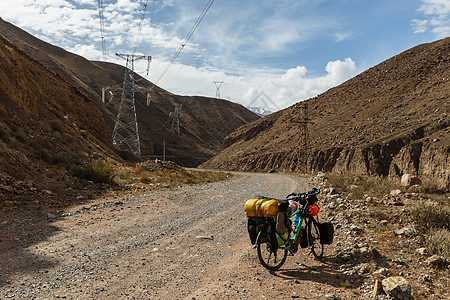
271 259
314 239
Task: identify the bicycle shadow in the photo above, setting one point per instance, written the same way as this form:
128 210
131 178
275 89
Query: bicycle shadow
325 273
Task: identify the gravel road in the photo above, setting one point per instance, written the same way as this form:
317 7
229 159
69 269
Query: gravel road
189 242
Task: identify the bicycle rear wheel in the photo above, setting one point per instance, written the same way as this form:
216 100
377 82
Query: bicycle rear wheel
270 259
314 238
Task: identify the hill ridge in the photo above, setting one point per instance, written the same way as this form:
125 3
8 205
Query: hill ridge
196 143
389 120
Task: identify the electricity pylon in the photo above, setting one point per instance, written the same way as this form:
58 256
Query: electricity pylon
304 145
218 84
125 134
176 118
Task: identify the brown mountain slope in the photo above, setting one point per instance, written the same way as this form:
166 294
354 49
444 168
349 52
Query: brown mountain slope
205 121
389 120
44 122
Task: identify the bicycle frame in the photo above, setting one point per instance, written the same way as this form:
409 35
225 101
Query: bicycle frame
297 230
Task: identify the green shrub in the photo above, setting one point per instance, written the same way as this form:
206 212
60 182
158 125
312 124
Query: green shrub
438 242
102 171
428 215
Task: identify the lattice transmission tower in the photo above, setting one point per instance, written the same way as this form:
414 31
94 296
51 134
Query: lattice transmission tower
125 134
176 118
218 84
303 143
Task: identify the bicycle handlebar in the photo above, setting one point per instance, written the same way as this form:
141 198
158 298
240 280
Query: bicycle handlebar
297 197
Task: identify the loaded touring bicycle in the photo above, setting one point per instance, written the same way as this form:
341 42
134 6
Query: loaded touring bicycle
275 236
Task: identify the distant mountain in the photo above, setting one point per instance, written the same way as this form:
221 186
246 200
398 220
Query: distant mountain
204 121
262 112
389 120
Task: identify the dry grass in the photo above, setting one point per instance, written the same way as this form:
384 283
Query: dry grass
166 178
430 186
433 221
438 242
355 186
102 171
431 215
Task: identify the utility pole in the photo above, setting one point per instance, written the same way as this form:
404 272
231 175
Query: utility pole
303 144
125 134
176 118
218 84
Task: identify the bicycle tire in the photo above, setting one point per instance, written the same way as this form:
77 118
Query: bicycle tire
268 258
314 239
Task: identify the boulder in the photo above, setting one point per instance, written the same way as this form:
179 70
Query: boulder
395 192
416 188
407 230
397 288
332 297
421 251
435 260
410 180
381 271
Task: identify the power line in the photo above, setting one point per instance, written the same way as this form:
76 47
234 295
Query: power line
140 28
102 26
191 32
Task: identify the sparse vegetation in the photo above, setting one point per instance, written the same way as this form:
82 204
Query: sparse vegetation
433 220
438 242
102 171
107 172
430 186
355 186
428 215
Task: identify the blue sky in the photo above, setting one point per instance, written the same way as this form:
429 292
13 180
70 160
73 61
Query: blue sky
285 50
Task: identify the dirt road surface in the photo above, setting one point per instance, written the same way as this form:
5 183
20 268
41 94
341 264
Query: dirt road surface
189 242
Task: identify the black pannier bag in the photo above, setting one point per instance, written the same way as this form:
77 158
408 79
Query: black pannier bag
326 233
304 238
252 229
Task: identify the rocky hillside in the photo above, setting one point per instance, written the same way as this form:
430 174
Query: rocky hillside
46 125
204 121
389 120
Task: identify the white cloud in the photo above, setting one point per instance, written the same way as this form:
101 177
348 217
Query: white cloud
420 26
438 22
234 46
342 36
283 89
86 51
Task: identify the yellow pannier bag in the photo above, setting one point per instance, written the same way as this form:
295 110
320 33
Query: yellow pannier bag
261 207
